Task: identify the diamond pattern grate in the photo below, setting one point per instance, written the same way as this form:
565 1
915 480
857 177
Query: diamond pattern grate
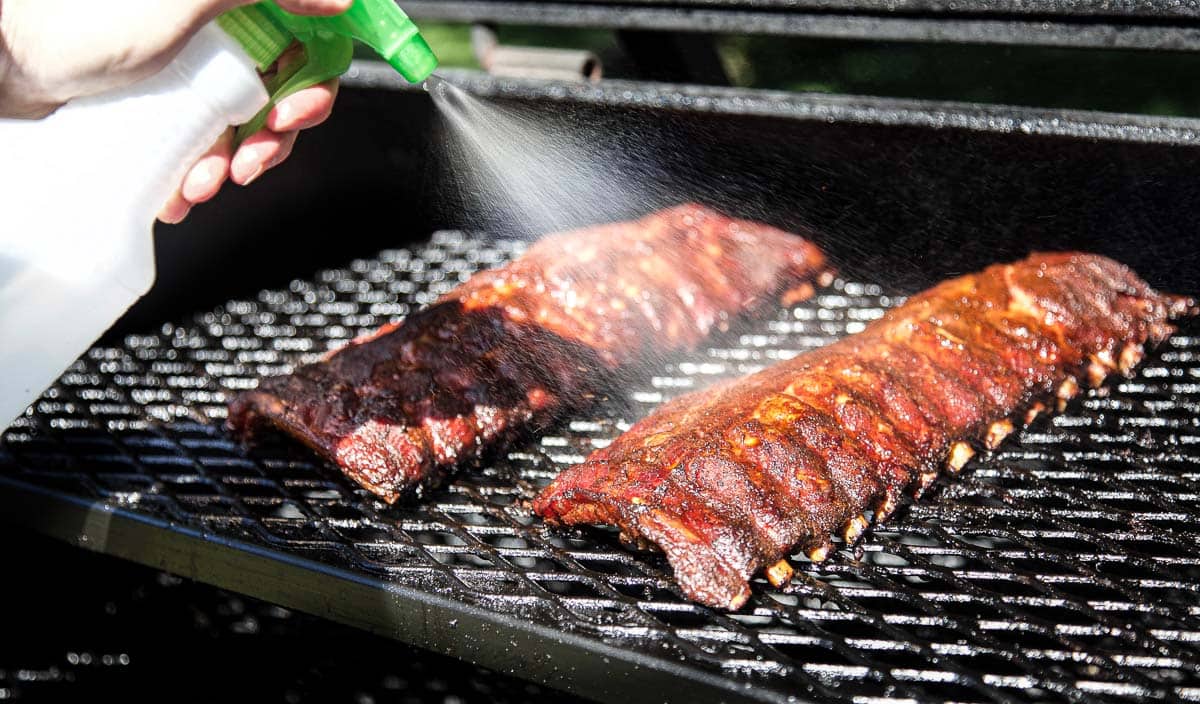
1065 567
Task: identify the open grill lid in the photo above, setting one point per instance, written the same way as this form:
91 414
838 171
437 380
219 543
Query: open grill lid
1181 10
1151 25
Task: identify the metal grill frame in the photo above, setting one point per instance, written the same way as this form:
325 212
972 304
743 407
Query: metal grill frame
1156 26
1066 562
1084 125
1182 9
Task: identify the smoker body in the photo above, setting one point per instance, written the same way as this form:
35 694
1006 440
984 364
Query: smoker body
911 189
1065 565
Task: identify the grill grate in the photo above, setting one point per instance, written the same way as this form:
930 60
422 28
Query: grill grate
1065 567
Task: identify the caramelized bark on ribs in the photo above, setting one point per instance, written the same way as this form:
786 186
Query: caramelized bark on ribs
729 480
514 347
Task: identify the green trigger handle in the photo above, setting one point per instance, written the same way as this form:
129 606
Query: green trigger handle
266 32
325 58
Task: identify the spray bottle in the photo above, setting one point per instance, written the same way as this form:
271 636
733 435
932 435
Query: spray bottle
79 190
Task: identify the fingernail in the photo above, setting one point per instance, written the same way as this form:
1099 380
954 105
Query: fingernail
203 172
174 219
253 176
246 156
248 159
199 179
283 112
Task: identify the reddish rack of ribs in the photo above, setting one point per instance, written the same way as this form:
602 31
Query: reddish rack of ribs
730 480
514 348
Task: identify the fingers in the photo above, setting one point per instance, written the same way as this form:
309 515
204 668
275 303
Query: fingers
270 146
261 151
304 109
201 182
285 149
206 177
175 210
320 8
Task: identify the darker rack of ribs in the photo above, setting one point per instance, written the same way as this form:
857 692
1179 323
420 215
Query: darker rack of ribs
514 348
727 481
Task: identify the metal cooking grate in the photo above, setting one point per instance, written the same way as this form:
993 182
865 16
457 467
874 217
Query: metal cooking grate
139 636
1064 567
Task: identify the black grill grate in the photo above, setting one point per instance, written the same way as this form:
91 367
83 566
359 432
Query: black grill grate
1065 567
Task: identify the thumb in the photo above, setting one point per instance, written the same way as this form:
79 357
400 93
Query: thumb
107 44
207 9
320 8
177 30
170 31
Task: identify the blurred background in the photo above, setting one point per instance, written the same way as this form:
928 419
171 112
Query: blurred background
1142 82
85 627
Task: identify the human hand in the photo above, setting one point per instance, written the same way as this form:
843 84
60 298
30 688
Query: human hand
52 51
261 151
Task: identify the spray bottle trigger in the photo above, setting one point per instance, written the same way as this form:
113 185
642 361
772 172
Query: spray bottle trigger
327 56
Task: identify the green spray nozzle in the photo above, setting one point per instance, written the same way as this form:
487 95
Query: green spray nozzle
266 32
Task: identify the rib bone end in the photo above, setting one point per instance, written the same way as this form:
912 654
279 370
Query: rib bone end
854 529
1160 332
803 292
886 507
1066 391
820 554
924 481
997 433
780 573
960 454
1131 356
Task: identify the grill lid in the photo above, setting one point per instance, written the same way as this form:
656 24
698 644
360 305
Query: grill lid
1155 25
1064 567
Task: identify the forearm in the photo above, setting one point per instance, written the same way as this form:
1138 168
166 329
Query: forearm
18 95
52 51
5 61
6 79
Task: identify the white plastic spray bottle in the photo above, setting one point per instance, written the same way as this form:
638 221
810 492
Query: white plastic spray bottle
80 189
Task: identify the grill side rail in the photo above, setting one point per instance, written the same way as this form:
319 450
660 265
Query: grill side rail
1143 26
483 637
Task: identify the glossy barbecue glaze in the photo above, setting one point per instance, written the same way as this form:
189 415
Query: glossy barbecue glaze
515 347
727 481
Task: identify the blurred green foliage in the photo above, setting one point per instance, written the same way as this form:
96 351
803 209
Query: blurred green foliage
1152 83
451 43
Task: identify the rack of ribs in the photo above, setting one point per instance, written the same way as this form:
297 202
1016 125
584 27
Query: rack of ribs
514 348
728 481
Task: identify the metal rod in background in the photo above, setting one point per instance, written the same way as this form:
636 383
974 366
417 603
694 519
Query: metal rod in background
533 62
